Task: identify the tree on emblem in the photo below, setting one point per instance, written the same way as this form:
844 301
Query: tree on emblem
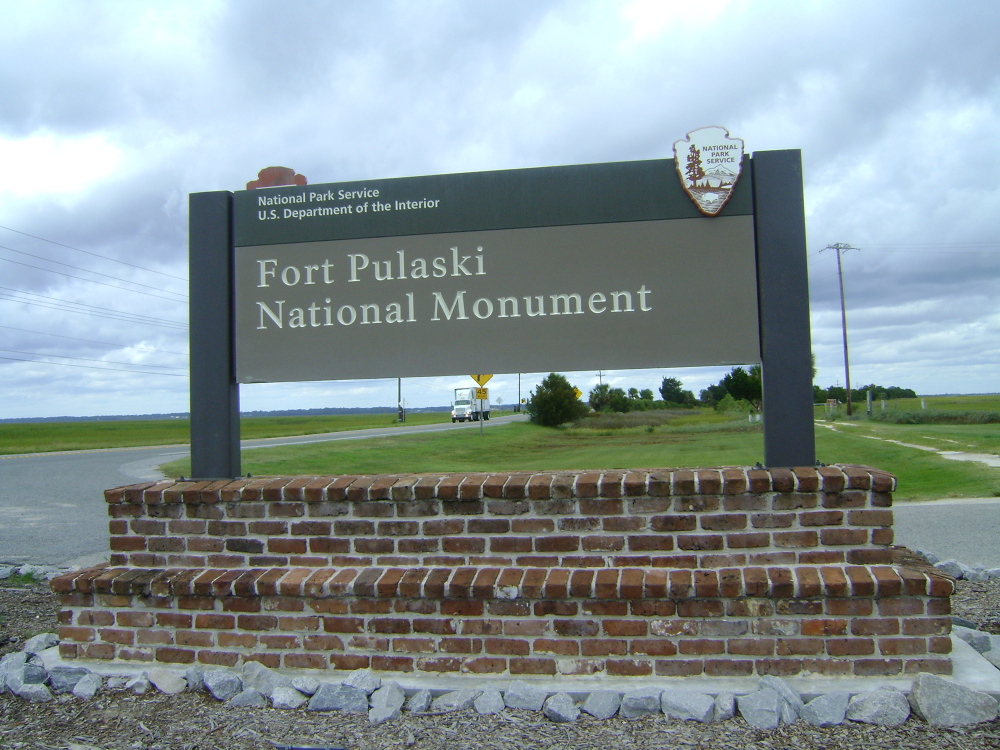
694 168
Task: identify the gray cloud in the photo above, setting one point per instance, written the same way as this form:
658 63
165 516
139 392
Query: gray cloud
894 105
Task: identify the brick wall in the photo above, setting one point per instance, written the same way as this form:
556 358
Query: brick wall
660 572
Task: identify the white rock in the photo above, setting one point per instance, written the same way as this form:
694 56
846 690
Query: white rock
947 704
34 692
560 708
884 707
263 679
490 701
687 705
138 684
456 700
603 704
980 641
951 568
195 678
336 697
520 694
87 687
641 702
307 685
419 702
64 679
993 573
993 657
222 684
167 681
386 703
38 643
363 679
285 697
782 688
826 710
390 695
761 709
249 698
725 706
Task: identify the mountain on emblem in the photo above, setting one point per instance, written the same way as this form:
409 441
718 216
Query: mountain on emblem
708 163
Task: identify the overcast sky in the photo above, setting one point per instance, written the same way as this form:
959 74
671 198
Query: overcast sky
111 113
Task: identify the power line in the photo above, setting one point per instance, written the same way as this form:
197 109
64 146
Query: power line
56 304
91 367
87 270
90 341
92 281
96 255
90 359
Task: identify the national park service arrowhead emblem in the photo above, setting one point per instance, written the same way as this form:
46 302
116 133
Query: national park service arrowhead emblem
708 163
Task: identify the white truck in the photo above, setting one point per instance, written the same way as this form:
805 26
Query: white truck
467 407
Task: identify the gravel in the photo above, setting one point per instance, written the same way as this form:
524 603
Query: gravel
122 720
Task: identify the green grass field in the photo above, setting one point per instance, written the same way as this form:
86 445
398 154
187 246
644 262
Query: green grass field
699 437
922 475
43 437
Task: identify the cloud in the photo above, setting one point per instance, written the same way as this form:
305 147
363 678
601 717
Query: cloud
113 113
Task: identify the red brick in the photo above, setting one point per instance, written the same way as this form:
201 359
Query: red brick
877 667
532 666
824 627
629 667
772 520
603 647
849 607
175 655
698 646
728 668
485 665
700 542
558 646
850 646
796 538
679 667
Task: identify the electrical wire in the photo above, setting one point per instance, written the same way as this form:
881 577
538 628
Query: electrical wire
92 281
90 341
96 255
90 359
87 270
52 303
91 367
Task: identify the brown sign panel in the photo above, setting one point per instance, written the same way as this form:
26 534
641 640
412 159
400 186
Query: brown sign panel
622 295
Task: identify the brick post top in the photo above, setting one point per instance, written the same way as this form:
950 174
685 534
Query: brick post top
550 485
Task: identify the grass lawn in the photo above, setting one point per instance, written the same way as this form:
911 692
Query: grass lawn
680 443
43 437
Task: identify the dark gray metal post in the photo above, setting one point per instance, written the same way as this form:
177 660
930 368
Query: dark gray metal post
783 294
215 394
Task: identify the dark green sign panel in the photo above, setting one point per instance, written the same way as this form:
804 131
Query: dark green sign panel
563 268
511 199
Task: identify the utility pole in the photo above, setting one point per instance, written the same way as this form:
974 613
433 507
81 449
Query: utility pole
839 248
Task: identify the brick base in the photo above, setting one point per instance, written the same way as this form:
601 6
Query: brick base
588 573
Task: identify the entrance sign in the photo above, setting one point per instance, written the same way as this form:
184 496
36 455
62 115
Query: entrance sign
408 277
549 269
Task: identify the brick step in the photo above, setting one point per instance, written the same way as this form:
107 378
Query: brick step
832 620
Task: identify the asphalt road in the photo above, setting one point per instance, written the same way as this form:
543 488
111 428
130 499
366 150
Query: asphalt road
52 509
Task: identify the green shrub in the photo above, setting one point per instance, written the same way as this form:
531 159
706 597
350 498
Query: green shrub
554 402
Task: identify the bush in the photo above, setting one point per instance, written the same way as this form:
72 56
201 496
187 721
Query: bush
554 402
928 416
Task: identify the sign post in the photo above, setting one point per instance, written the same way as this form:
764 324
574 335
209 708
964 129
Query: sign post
406 277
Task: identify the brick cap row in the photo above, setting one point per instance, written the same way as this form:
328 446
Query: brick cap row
514 485
488 583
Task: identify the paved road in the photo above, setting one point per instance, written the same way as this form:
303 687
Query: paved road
966 530
52 509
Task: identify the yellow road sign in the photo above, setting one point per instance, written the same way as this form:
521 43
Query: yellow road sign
577 392
483 393
481 379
